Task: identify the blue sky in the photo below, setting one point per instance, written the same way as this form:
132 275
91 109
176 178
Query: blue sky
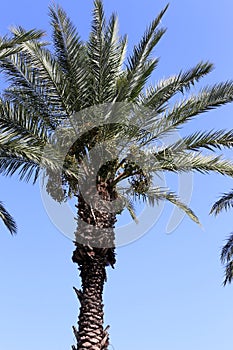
165 292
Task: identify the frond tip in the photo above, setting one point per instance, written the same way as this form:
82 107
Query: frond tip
7 219
224 203
154 195
227 259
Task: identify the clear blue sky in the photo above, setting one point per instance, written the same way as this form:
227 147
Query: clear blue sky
165 292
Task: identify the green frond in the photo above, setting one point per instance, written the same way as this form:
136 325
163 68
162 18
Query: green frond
227 250
149 40
7 219
207 99
156 194
211 140
139 84
136 72
122 51
228 273
226 259
130 207
9 45
157 97
16 124
70 53
28 162
189 162
224 203
208 139
23 137
115 48
106 53
26 86
95 51
26 169
128 204
66 40
47 70
178 159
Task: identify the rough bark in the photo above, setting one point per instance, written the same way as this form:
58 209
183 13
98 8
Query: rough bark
91 333
94 251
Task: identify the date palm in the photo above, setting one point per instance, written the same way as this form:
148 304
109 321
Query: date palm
90 93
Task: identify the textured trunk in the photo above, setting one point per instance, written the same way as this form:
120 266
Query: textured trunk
94 251
91 333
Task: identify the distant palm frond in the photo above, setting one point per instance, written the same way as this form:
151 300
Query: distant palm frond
224 203
7 219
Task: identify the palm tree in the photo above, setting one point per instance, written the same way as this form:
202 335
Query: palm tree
225 203
83 106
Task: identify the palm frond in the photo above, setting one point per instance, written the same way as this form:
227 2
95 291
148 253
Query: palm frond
127 203
48 71
17 123
95 51
26 169
70 54
7 219
157 97
106 52
227 250
224 203
156 194
137 75
207 99
228 273
27 88
66 40
9 45
186 162
210 140
226 259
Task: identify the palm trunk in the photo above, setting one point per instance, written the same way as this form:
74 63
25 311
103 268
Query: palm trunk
94 251
91 333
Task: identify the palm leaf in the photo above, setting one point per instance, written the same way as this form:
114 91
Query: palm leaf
136 74
207 99
157 97
106 52
127 203
156 194
224 203
226 258
210 140
70 54
9 46
228 273
187 162
7 219
48 71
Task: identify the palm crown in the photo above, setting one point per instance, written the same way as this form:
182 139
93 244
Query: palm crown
85 108
48 87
